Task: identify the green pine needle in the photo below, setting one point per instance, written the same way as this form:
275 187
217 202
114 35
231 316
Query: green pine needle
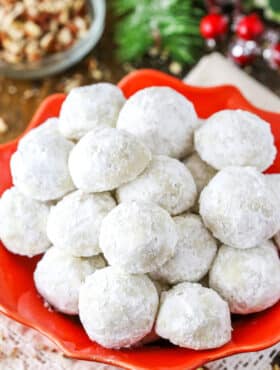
172 24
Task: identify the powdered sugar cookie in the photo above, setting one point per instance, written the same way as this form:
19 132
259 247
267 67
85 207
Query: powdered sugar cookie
202 317
23 223
88 107
162 118
249 279
117 309
239 207
138 237
74 223
166 182
58 278
235 138
106 158
194 252
40 165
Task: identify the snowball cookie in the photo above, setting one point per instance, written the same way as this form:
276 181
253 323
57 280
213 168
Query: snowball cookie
202 317
200 170
138 237
23 223
58 278
74 223
239 207
166 182
248 279
162 118
40 165
274 181
117 309
106 158
235 138
194 252
88 107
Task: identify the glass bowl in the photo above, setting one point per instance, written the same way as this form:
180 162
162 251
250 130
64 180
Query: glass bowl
60 61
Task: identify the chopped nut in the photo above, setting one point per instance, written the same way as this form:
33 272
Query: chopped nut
175 68
72 82
53 25
3 126
154 51
12 89
46 41
32 50
30 93
16 30
13 47
64 16
64 37
128 67
80 23
32 29
97 74
92 64
10 57
78 5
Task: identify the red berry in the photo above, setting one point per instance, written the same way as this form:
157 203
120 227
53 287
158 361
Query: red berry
276 54
250 27
213 26
244 60
243 52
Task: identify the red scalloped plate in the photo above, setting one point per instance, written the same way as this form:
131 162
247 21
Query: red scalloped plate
20 301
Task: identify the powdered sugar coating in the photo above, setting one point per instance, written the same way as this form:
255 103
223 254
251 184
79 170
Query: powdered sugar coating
88 107
117 309
249 279
106 158
40 165
195 317
162 118
23 223
166 182
235 138
273 181
138 237
74 222
58 278
194 252
201 171
239 207
50 126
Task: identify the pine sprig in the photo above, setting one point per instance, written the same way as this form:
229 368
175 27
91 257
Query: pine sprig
173 25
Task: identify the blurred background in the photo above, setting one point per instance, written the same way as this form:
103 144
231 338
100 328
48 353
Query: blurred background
50 46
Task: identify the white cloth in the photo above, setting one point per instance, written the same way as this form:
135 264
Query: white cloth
214 69
22 348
